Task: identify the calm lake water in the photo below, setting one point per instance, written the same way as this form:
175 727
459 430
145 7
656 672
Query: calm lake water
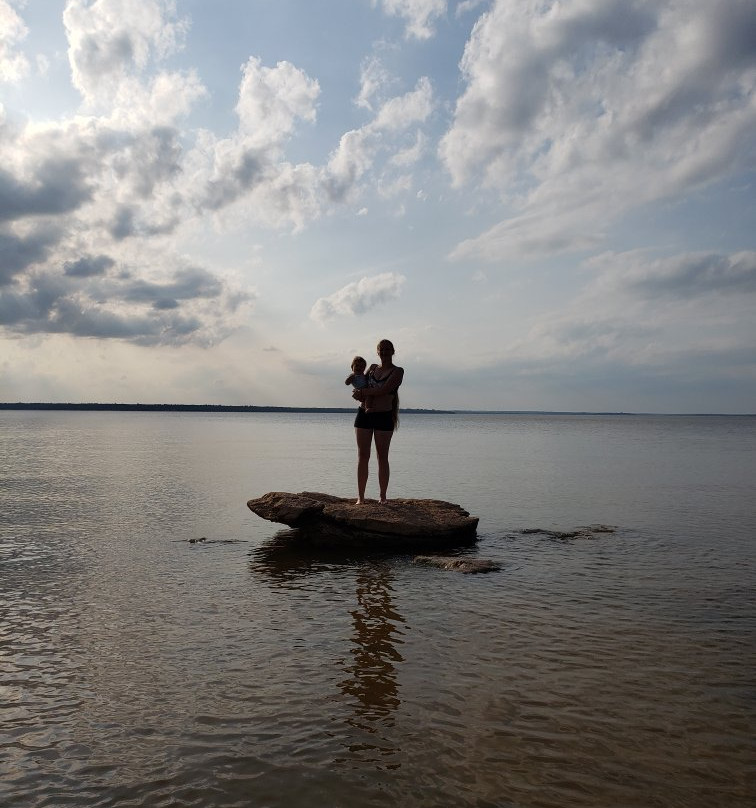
139 669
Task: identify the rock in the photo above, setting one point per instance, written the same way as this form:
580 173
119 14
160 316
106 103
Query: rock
399 522
587 532
467 565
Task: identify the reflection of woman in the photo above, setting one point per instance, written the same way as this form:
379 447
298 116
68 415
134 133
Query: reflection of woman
377 418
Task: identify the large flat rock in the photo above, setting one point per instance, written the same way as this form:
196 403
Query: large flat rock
428 522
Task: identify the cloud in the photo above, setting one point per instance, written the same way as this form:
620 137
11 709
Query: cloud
402 111
411 154
374 79
13 65
533 235
87 266
653 318
418 14
467 5
18 252
358 148
57 185
680 277
576 112
359 297
88 300
109 40
271 100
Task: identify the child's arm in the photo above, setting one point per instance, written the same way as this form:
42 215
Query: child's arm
389 386
349 378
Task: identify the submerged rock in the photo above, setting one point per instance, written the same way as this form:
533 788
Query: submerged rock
399 522
586 532
467 565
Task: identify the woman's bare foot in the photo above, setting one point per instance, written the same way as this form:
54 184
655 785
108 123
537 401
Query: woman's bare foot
383 500
360 502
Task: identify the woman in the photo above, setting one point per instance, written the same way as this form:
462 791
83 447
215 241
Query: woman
377 417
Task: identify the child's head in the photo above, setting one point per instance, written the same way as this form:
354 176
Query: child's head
358 365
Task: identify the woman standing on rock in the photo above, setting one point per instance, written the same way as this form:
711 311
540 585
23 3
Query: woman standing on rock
377 417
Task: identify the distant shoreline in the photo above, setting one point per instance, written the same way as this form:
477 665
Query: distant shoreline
95 407
98 407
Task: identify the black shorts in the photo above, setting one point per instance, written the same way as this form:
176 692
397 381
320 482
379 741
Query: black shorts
382 421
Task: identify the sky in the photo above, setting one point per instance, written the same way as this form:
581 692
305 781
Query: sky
544 205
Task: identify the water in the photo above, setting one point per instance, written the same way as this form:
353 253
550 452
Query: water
140 669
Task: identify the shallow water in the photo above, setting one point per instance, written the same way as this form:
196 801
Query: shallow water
137 668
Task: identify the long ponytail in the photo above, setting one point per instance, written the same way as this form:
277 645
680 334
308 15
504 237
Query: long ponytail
395 410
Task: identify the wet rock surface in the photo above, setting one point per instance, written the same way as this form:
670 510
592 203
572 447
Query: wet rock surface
398 522
467 565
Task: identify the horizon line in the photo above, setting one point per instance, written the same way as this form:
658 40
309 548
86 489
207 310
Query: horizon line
144 407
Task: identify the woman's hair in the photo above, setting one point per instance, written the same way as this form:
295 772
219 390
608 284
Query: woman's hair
358 360
386 343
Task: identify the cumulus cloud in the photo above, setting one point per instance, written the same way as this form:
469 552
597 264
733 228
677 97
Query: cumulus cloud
111 39
89 203
95 297
56 184
358 297
271 100
420 15
576 111
358 148
374 80
18 252
13 65
88 265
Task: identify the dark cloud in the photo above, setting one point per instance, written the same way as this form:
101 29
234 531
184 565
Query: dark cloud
17 253
237 180
98 56
166 303
122 224
88 266
698 274
149 159
58 186
187 284
85 302
731 29
618 22
71 317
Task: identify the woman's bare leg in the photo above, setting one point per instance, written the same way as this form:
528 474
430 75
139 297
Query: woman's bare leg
364 439
382 443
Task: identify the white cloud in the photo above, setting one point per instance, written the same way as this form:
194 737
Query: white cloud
579 110
374 80
413 153
13 64
404 110
358 297
271 99
358 148
465 6
110 40
419 14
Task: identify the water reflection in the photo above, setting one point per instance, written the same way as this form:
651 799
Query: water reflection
371 679
370 684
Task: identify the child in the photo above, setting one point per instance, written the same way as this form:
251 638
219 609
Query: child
357 377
